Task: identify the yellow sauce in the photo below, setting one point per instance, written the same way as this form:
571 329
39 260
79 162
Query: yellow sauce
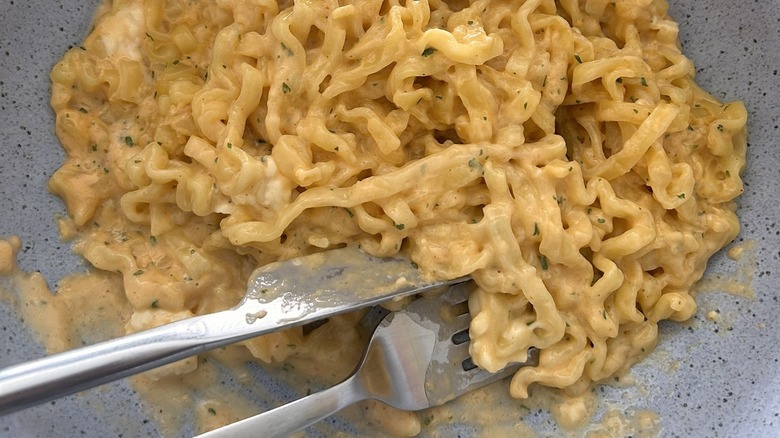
738 279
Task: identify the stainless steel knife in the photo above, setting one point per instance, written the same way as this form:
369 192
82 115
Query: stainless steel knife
279 295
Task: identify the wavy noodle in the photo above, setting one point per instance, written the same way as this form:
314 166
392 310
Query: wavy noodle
559 152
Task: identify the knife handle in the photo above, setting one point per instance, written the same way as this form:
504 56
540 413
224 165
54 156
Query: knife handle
58 375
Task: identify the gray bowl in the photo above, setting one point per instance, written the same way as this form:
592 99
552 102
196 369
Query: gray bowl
705 379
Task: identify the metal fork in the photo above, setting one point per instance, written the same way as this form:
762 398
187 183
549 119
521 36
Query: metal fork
417 358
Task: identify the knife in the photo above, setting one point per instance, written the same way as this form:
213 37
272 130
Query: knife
279 296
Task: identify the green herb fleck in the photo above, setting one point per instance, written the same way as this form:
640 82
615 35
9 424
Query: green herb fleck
643 81
129 141
399 226
543 261
577 57
285 88
155 304
536 229
544 82
428 51
525 105
287 50
230 145
720 128
619 80
138 272
415 265
94 148
428 420
212 411
470 22
149 36
681 196
601 220
175 62
153 240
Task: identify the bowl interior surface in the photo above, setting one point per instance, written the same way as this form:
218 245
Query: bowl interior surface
705 378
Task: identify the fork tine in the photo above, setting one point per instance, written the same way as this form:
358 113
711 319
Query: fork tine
452 371
479 377
459 351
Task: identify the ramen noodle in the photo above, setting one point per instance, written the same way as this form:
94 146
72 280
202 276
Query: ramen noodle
559 152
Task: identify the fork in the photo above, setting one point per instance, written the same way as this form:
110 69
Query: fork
417 358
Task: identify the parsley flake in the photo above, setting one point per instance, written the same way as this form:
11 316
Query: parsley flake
474 164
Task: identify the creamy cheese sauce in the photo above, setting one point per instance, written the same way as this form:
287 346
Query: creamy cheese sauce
736 279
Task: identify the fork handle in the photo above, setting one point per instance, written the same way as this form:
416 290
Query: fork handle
282 421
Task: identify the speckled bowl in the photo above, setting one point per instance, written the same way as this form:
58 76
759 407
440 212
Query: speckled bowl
705 379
